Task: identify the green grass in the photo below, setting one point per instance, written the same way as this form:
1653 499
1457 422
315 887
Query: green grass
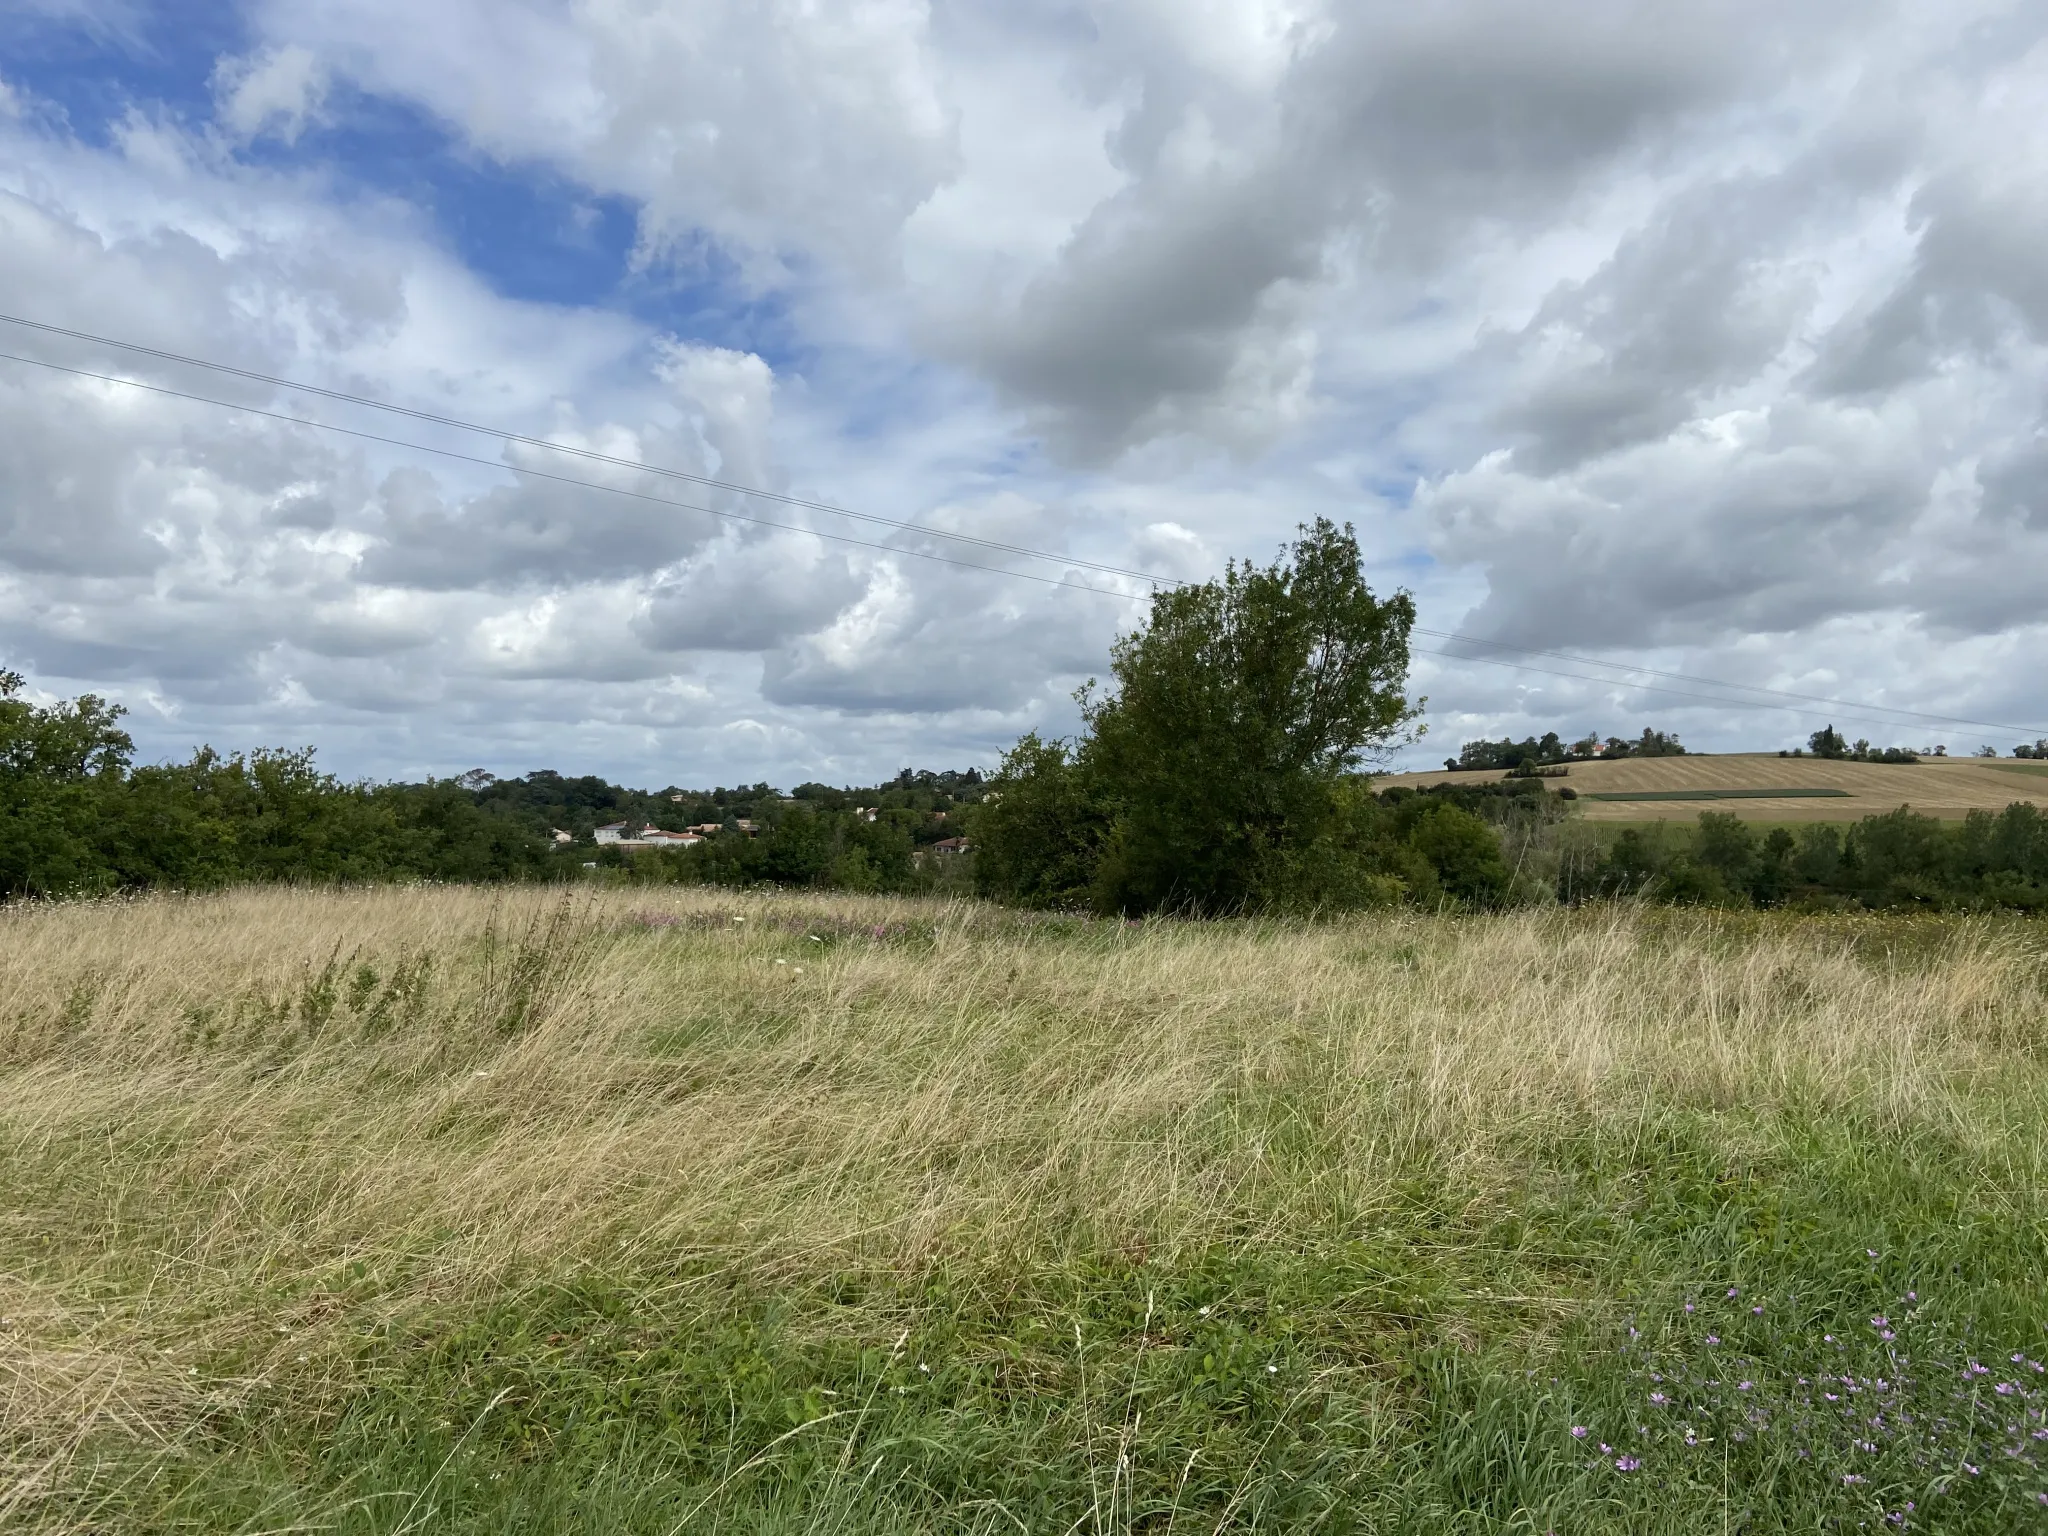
1409 1203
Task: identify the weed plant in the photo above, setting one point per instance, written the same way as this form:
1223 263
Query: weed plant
454 1210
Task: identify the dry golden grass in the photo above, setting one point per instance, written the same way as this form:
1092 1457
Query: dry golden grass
211 1107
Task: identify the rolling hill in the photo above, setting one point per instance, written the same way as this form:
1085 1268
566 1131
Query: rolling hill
1765 787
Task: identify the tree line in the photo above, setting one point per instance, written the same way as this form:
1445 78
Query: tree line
1551 749
1900 860
79 817
1224 768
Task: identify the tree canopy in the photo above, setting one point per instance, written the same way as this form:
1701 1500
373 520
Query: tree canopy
1212 774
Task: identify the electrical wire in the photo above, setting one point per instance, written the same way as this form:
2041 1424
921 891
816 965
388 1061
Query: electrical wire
1023 551
1153 579
542 474
590 454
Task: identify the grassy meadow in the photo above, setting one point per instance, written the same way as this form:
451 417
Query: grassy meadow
451 1210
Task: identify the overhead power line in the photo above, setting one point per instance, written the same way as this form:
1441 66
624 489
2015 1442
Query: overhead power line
996 546
590 454
542 474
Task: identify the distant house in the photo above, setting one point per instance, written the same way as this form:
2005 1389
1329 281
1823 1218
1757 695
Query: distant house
622 834
713 828
950 845
866 812
560 836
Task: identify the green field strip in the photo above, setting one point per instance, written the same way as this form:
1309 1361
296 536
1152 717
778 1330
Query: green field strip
1719 794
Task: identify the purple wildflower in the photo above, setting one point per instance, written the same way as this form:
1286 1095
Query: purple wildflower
1578 1431
1626 1463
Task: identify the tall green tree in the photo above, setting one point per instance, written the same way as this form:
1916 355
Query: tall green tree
1236 711
1211 768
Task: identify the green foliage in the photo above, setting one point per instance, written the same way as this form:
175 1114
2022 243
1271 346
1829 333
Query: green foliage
1040 840
1897 860
1212 778
1829 743
57 764
1462 851
1551 749
1237 708
77 820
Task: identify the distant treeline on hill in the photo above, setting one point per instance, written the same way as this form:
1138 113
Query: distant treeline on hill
1550 748
79 817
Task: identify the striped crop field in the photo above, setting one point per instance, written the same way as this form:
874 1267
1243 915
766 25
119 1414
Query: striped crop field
1774 788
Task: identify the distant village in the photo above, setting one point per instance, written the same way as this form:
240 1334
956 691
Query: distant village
626 835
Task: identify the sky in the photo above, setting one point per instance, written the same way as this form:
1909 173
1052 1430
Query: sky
1655 349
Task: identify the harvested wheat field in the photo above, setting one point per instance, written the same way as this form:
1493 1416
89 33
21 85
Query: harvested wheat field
450 1210
1948 787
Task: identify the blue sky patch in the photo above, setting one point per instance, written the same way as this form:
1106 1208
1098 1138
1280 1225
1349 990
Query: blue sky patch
98 70
524 229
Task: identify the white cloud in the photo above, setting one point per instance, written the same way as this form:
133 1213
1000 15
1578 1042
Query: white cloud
276 93
1713 336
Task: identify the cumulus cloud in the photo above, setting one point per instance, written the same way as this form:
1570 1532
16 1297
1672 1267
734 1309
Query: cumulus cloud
1716 334
777 126
276 92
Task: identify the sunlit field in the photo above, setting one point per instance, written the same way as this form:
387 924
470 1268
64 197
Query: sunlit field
663 1211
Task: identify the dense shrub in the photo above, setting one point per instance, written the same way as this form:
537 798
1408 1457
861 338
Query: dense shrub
1897 860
